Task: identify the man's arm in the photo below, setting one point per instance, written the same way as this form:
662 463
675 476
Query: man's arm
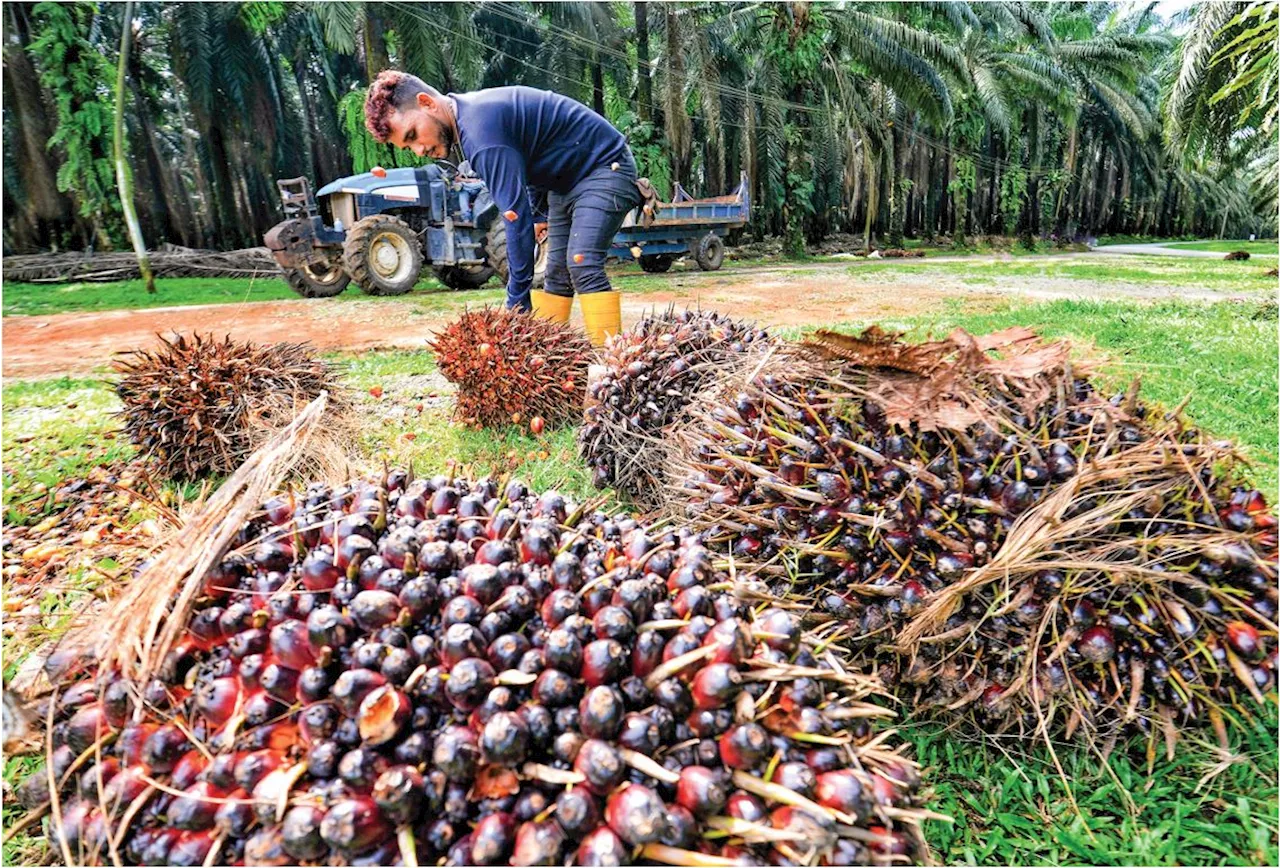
503 171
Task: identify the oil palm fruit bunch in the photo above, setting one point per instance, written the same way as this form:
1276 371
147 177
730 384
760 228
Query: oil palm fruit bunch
434 671
652 375
198 405
510 367
917 495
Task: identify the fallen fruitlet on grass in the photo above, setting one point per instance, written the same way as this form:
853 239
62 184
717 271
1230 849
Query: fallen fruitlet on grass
509 366
199 405
993 536
652 374
434 671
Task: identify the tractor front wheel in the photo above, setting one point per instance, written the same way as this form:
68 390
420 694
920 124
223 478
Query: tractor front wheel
317 280
382 255
656 263
495 251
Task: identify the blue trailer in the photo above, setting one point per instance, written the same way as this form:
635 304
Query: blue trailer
684 226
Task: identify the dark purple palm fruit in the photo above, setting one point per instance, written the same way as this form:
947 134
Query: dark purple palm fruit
383 715
300 832
600 764
745 746
601 712
538 843
456 753
399 794
493 839
352 687
742 805
701 791
353 825
505 739
195 808
636 814
602 847
603 662
577 812
469 681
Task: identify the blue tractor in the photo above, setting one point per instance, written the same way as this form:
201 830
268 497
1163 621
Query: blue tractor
380 228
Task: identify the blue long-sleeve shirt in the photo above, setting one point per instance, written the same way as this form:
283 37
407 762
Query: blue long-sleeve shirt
521 137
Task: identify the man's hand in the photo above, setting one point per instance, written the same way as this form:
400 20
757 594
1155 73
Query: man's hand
539 232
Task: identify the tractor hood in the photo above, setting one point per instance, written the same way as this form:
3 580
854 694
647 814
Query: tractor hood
398 183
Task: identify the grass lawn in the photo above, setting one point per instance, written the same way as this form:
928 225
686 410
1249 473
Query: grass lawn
1263 248
1010 804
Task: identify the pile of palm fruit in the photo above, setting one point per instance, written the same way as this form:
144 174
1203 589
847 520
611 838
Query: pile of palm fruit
432 671
993 536
196 405
510 367
652 373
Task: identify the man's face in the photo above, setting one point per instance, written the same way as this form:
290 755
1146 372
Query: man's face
423 129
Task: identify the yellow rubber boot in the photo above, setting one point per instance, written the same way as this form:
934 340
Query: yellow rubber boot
602 315
552 307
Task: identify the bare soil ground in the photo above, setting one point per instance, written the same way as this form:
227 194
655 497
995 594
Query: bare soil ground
77 343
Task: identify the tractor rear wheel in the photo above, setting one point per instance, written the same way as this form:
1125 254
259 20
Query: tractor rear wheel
463 276
657 263
317 280
382 255
710 252
495 251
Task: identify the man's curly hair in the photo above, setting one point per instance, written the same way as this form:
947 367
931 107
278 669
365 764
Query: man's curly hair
391 91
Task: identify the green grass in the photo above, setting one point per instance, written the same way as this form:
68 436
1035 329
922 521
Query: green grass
1265 248
1219 276
50 298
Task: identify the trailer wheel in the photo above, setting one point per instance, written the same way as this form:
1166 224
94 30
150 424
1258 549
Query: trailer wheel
319 280
495 252
382 255
463 276
657 263
710 253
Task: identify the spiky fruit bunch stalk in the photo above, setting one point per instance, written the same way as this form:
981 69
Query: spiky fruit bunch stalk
197 405
993 534
510 367
434 671
653 372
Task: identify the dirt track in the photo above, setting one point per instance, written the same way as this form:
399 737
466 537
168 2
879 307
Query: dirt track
38 346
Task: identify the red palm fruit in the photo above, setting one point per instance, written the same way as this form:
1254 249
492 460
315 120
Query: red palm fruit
352 687
682 829
279 682
300 833
636 814
250 670
889 843
797 777
600 712
744 806
1097 644
190 849
360 767
156 851
469 681
732 641
125 787
71 824
187 770
601 765
216 698
289 644
383 714
399 794
329 627
492 839
577 812
1246 641
601 848
319 572
841 790
235 816
351 550
603 662
700 791
744 746
246 642
558 605
117 702
538 843
266 847
261 707
221 770
715 686
885 791
196 808
164 748
86 726
456 753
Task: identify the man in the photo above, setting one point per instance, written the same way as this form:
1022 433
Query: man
516 138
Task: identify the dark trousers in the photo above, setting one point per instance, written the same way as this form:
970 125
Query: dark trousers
581 226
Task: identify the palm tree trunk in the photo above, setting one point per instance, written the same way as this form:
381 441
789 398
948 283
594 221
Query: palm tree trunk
376 58
644 84
597 85
124 177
